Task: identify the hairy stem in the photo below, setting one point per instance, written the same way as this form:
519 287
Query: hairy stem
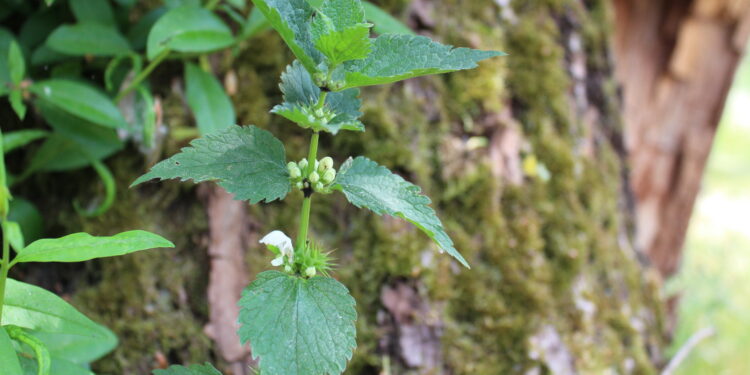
142 75
304 222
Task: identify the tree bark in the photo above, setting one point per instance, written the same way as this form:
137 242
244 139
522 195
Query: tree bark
524 160
676 61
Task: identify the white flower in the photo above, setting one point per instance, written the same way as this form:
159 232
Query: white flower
280 241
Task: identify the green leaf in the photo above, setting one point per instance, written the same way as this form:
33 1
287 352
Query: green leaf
6 39
397 57
80 247
255 23
138 33
93 11
88 38
59 366
28 217
298 326
80 100
19 138
8 357
16 102
16 63
210 104
74 144
369 185
340 32
351 43
188 28
247 161
205 369
45 314
301 96
384 22
15 236
290 19
37 27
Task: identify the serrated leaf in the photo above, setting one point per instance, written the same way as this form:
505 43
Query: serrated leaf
93 11
210 104
301 96
298 326
369 185
384 22
351 43
79 247
205 369
41 311
342 14
8 358
246 161
290 19
397 57
81 100
188 28
19 138
88 38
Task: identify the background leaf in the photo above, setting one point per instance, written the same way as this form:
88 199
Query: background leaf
369 185
41 311
16 63
8 358
298 326
15 235
19 138
99 11
88 38
80 247
383 21
188 28
247 161
205 369
28 217
81 100
210 104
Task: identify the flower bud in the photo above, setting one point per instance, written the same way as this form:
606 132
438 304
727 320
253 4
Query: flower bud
319 186
326 163
303 164
310 271
314 177
329 176
288 268
300 185
294 171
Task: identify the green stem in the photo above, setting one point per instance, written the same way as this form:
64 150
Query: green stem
142 75
4 267
304 222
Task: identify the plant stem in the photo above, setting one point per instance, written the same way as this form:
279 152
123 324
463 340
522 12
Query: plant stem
4 267
304 222
142 75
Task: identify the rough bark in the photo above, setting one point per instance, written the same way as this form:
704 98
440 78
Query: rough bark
524 161
676 60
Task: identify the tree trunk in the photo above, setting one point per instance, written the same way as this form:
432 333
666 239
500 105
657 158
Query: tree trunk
676 60
524 159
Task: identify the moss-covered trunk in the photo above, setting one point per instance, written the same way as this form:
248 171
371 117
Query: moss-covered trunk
523 160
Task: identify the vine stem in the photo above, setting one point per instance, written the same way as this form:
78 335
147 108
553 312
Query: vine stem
142 75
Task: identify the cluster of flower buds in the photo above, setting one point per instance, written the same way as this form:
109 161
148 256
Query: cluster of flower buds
319 177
